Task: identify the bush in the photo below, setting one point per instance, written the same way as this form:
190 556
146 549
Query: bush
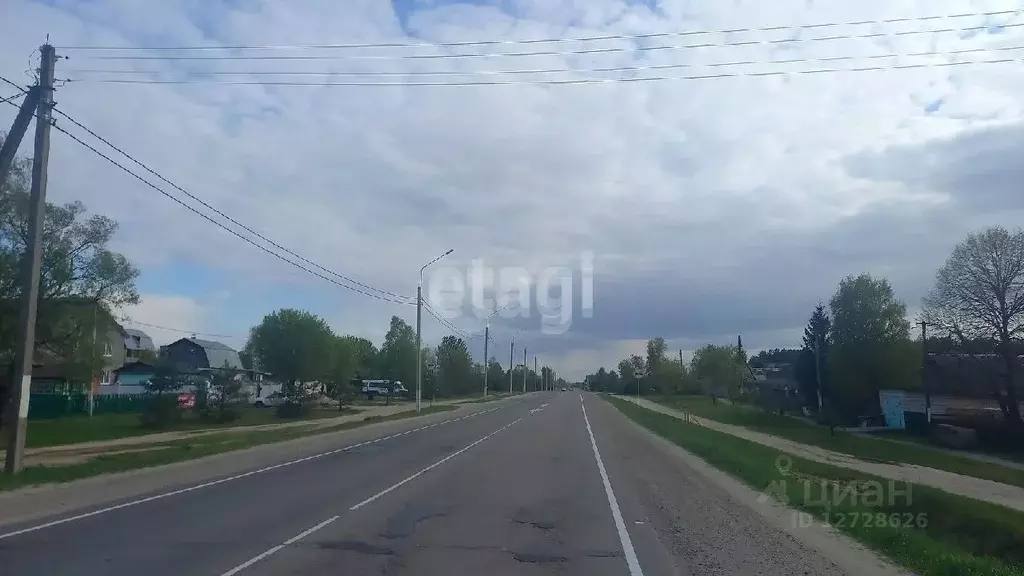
162 411
293 410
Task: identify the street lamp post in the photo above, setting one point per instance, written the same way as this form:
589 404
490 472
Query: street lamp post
419 339
638 377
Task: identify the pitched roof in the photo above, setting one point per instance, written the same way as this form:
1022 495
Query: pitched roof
218 354
145 342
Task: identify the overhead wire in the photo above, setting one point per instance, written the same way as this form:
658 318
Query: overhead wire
10 98
636 68
445 322
574 81
405 299
604 37
581 52
220 224
128 320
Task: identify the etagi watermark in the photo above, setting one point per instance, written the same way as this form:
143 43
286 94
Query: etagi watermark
453 291
860 503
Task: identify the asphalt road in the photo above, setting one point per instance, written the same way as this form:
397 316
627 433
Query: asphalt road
557 483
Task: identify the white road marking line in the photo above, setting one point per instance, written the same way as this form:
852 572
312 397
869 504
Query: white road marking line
620 526
277 548
229 478
391 488
429 468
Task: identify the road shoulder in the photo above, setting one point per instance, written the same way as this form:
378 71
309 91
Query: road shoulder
698 509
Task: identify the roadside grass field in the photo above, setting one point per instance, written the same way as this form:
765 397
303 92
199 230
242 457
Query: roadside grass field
872 449
187 449
926 530
77 429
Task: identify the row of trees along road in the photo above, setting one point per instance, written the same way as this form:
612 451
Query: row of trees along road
81 282
300 350
862 342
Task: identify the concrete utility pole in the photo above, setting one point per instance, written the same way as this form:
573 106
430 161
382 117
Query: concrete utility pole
511 354
33 265
535 371
487 338
525 369
419 340
18 128
924 375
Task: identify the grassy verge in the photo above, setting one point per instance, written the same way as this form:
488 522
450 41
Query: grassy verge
926 530
188 449
79 429
873 449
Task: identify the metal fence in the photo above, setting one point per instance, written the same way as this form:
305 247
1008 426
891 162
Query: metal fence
43 406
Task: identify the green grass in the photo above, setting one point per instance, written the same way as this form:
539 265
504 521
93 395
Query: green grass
961 536
186 449
865 448
78 429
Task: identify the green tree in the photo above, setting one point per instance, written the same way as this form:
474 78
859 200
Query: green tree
870 347
365 356
397 356
295 347
979 296
496 375
225 395
718 370
454 367
342 369
78 268
162 408
816 338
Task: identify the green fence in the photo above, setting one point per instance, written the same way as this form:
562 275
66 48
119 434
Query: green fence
42 406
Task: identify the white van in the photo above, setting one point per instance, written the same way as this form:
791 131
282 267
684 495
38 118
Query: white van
372 388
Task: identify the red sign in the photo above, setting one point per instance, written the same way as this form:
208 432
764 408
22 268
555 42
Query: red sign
186 400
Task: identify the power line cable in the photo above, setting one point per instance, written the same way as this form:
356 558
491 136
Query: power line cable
219 224
637 68
10 98
645 36
128 320
573 81
581 52
444 322
229 218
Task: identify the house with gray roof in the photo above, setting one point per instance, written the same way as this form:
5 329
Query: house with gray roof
192 355
136 343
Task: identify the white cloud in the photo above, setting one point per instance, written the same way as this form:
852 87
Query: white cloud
690 181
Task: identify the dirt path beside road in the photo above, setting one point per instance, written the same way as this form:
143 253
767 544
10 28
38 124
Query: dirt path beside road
977 488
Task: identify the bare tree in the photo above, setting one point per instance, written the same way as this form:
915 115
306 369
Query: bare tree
979 295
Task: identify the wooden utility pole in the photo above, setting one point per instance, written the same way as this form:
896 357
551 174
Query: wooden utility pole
32 266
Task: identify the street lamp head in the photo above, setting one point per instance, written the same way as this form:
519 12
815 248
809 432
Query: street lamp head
450 250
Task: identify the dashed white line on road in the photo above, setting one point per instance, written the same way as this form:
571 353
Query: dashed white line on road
383 492
613 503
235 477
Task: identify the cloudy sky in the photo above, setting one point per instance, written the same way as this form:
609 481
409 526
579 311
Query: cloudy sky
725 204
